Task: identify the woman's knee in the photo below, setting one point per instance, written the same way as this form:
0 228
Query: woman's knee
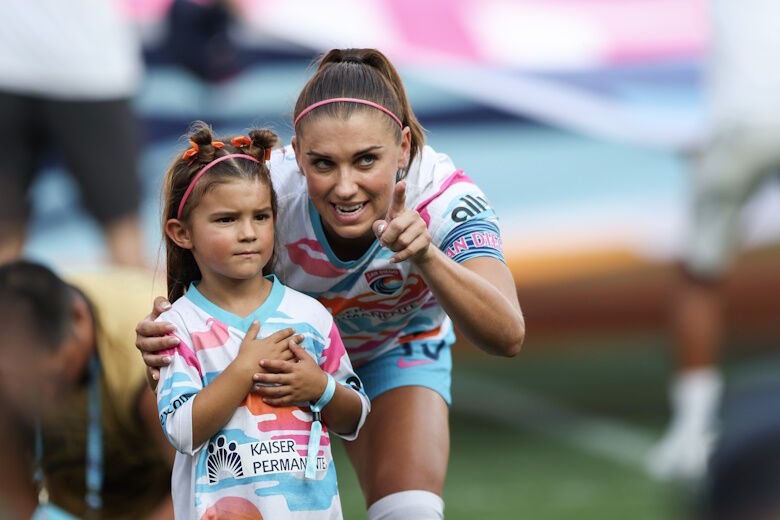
417 504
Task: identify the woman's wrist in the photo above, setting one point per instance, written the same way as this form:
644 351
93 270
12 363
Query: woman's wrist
426 258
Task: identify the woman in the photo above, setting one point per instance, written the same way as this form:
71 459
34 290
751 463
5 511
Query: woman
399 246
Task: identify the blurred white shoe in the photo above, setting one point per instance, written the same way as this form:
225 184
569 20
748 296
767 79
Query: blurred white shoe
684 449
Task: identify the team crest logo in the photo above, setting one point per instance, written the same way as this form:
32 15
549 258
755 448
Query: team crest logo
385 281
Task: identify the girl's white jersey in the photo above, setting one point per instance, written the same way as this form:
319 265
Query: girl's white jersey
378 305
254 466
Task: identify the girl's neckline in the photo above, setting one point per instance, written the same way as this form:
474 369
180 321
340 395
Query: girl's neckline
261 313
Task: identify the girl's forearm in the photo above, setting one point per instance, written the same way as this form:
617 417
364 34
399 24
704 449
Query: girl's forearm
480 298
213 407
342 414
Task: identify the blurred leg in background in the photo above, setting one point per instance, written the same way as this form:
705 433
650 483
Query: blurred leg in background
742 151
728 172
67 73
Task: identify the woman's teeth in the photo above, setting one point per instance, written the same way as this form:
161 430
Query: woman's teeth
346 210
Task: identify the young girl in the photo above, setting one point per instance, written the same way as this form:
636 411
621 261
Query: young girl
241 454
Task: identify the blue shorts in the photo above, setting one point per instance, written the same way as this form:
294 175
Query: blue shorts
418 363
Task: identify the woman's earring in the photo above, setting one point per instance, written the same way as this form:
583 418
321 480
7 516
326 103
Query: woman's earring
399 174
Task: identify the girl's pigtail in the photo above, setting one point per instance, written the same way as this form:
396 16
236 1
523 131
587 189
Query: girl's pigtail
261 142
202 139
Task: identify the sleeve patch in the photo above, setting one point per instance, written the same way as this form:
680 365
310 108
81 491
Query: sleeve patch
472 239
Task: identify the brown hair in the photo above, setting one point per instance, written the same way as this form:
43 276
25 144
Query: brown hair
180 263
363 74
36 301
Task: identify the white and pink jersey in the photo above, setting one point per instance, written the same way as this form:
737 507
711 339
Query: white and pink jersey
378 305
254 466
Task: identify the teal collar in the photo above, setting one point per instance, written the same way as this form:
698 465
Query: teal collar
260 314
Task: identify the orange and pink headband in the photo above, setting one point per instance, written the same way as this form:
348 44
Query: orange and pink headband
349 100
204 170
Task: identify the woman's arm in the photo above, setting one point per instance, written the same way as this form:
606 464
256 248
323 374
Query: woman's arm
479 295
480 298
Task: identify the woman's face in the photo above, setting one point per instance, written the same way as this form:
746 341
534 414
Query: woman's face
350 167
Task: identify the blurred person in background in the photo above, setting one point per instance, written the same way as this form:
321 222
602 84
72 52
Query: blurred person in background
79 431
198 39
741 152
400 246
67 72
743 478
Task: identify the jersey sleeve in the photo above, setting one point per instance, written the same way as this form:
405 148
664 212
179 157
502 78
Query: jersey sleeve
179 382
461 221
335 361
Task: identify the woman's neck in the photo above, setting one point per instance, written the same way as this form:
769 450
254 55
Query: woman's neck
347 249
241 297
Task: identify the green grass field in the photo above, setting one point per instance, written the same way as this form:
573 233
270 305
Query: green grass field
559 432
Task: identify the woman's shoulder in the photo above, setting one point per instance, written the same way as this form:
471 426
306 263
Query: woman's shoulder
427 174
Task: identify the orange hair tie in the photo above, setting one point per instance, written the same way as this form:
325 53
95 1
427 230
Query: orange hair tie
191 151
240 141
267 154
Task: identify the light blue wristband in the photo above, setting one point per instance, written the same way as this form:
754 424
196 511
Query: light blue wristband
316 427
327 395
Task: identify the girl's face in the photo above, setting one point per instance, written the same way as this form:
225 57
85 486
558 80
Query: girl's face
231 230
350 167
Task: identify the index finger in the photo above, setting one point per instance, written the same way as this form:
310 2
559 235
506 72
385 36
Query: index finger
147 328
281 335
398 203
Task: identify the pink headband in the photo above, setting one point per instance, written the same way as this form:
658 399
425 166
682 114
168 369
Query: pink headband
346 99
204 170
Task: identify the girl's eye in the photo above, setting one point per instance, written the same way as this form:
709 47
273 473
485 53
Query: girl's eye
224 220
366 160
261 216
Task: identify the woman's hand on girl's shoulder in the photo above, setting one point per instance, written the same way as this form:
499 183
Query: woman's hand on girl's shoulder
152 336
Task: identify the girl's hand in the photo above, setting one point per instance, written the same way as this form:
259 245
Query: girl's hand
276 346
300 380
404 232
152 336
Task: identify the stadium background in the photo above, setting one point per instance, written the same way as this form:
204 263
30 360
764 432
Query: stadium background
574 117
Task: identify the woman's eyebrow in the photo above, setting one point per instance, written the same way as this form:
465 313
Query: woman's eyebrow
317 154
366 150
314 153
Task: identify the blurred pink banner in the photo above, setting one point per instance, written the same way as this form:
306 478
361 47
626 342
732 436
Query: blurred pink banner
519 33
